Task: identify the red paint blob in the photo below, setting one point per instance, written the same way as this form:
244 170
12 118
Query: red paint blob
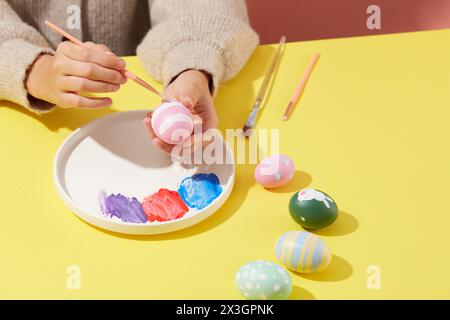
164 205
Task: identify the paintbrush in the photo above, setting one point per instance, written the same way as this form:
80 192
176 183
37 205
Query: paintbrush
300 86
250 123
127 73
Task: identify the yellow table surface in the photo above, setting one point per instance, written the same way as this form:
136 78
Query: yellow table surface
371 129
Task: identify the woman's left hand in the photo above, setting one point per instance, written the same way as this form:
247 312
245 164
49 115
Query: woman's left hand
191 88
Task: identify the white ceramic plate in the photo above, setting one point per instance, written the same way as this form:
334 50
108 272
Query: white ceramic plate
114 154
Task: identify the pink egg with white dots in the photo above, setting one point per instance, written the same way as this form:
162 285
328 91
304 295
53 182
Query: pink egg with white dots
172 122
274 171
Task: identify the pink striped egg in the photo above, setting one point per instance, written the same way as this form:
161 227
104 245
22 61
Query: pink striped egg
172 122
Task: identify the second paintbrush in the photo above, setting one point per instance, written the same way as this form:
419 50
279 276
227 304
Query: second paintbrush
251 120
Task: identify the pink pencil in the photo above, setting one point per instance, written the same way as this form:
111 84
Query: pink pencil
300 86
127 73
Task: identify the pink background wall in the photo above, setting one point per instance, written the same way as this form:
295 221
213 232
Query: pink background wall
319 19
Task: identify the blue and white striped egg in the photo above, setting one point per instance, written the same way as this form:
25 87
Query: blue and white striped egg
302 252
263 280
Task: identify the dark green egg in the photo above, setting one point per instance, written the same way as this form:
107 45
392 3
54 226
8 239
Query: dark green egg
313 209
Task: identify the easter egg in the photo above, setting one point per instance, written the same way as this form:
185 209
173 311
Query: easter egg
274 171
172 122
313 209
263 280
302 251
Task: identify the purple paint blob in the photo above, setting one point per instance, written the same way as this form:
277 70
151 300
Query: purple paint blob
200 190
124 208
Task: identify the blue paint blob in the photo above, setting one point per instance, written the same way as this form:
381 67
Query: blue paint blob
199 190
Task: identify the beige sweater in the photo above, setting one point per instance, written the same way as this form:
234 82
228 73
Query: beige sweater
210 35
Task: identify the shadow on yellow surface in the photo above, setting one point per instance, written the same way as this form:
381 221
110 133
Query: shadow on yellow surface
344 224
301 294
62 118
234 104
300 180
338 270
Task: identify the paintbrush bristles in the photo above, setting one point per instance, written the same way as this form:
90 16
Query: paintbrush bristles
288 111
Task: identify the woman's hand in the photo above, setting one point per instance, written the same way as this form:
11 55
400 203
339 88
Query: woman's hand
74 69
191 88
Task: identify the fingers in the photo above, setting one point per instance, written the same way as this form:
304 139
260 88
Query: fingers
73 100
99 47
94 72
148 126
167 148
209 117
87 68
190 144
78 84
188 95
211 122
198 123
93 53
198 99
187 101
92 61
196 140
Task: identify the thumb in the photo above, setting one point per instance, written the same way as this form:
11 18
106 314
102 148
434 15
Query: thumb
188 98
188 102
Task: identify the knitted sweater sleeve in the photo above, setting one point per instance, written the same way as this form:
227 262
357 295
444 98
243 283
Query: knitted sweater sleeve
208 35
20 45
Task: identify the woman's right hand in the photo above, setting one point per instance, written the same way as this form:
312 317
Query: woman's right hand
73 70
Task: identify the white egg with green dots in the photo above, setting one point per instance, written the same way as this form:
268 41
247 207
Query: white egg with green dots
263 280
